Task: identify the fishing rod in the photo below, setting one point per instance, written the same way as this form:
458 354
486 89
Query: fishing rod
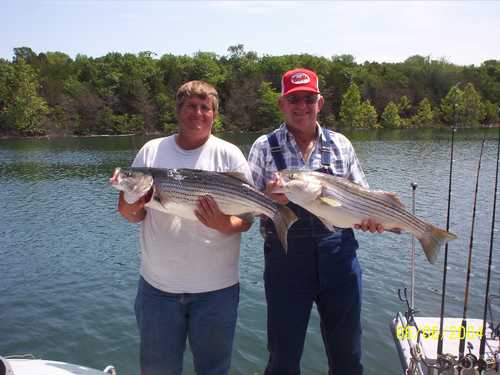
466 361
482 365
445 266
412 273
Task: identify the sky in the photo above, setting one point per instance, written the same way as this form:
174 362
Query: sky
461 32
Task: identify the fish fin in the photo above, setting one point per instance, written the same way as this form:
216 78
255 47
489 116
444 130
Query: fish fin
389 197
330 201
157 204
394 230
159 201
150 194
238 175
283 220
432 240
247 216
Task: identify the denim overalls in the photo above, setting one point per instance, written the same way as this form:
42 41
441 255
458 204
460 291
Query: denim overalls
321 267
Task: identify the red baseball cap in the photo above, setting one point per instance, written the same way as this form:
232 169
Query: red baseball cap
299 80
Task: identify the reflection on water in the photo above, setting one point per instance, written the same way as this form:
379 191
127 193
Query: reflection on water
70 263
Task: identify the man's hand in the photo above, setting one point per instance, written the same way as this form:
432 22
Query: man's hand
277 197
209 214
370 225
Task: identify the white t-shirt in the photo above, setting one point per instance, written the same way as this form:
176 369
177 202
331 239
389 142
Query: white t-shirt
180 255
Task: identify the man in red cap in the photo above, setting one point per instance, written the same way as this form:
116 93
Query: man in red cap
321 266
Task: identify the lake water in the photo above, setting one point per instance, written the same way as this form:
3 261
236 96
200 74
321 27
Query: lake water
69 262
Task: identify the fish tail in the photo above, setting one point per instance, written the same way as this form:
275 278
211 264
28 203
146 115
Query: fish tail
432 240
283 220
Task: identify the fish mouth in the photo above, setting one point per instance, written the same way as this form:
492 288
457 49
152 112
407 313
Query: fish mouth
115 178
279 190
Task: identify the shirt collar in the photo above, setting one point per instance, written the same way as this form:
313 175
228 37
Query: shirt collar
286 136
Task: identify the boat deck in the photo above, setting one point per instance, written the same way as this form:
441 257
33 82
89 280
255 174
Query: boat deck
422 343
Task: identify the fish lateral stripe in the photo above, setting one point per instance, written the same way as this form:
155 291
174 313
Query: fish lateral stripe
220 191
377 207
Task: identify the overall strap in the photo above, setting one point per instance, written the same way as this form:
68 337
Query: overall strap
327 145
325 149
276 151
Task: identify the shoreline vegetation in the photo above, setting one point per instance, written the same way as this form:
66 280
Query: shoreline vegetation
236 132
52 95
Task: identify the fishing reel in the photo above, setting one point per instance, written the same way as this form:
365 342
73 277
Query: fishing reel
469 360
446 361
488 363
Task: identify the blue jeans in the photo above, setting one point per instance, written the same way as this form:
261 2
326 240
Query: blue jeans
319 268
166 320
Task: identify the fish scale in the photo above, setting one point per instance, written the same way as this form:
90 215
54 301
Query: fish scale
349 194
176 192
191 191
368 209
338 202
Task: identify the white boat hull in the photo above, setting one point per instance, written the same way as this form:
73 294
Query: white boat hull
418 349
23 366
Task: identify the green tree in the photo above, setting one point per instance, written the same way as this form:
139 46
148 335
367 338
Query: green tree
24 110
489 78
167 121
368 115
474 111
240 93
268 114
122 93
492 113
350 111
424 116
7 80
390 118
205 66
453 107
121 123
57 67
26 54
404 106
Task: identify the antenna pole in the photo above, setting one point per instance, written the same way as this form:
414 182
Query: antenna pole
482 363
463 328
445 265
412 260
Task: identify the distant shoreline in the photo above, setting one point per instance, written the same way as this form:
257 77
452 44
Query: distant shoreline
55 136
363 130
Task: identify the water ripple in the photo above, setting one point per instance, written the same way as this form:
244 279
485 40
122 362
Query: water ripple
70 262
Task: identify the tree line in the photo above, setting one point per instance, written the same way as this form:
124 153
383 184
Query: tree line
52 94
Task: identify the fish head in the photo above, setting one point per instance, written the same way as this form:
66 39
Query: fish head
131 181
299 187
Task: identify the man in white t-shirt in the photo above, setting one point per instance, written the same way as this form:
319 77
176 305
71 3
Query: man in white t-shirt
189 285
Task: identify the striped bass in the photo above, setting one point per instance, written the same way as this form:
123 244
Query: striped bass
176 192
340 203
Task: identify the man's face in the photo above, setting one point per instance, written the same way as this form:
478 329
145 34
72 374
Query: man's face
301 109
196 117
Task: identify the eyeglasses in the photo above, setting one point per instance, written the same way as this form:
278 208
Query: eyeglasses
308 99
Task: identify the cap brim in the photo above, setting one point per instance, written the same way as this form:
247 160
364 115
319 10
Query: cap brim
301 88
